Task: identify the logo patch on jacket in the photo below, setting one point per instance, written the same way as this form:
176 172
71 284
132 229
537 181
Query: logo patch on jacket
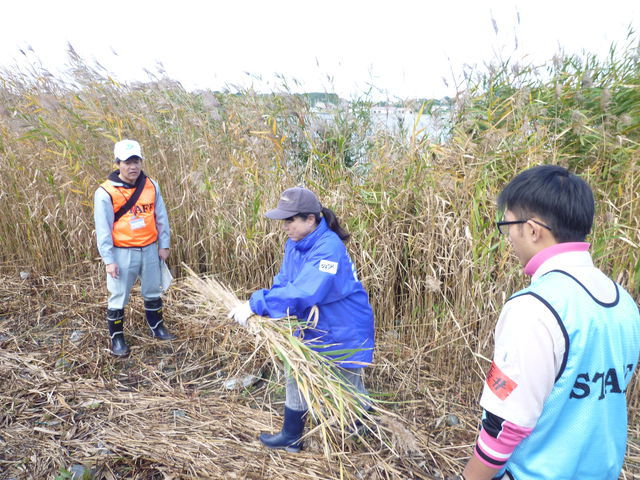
499 383
328 266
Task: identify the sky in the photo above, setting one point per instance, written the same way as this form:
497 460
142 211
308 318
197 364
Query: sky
391 48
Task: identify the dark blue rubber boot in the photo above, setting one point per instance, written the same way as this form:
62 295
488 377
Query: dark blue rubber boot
153 312
115 320
289 437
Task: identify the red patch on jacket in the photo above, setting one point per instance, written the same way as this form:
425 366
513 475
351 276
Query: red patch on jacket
499 383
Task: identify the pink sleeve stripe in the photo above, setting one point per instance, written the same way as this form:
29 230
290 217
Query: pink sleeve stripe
496 451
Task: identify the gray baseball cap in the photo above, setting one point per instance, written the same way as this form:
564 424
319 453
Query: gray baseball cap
293 201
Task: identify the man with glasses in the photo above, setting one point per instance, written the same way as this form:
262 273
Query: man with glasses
132 229
566 346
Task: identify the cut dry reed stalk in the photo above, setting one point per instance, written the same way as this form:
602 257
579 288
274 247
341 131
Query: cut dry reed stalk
333 403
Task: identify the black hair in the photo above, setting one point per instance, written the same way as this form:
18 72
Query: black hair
132 156
332 222
559 198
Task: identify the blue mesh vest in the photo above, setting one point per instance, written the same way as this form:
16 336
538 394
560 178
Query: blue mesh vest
582 431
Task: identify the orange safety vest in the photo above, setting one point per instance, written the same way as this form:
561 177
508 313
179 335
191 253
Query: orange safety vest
137 227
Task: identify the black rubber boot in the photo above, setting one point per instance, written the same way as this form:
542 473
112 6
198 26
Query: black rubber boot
153 312
289 437
360 429
115 319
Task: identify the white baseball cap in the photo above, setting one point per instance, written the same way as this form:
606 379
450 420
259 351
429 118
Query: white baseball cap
125 149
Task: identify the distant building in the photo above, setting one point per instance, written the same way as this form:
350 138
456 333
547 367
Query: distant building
390 110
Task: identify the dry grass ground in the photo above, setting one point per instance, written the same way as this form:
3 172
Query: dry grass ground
165 413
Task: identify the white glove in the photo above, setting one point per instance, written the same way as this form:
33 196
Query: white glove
241 313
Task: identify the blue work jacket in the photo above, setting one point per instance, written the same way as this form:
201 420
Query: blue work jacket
317 271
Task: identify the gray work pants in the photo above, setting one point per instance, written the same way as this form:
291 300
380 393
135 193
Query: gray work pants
135 262
295 401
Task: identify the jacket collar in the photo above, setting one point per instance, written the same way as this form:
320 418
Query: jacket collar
114 177
307 242
540 258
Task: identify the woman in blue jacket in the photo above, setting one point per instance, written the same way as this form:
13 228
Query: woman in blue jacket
316 271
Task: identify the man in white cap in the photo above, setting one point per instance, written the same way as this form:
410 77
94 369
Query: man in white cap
132 229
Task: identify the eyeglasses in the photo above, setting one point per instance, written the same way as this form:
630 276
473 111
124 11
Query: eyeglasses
503 227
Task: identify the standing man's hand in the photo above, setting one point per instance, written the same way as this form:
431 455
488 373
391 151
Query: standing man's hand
113 270
163 253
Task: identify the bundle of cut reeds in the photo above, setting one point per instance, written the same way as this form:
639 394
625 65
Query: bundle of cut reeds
333 403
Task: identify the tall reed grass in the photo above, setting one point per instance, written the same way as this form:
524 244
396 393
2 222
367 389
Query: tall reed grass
421 213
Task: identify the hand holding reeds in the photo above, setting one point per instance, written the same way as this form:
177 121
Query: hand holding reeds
331 400
241 313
